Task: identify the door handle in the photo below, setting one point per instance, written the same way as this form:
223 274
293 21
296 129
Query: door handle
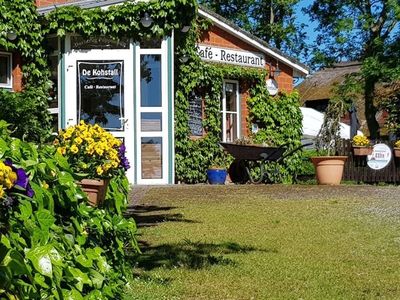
124 121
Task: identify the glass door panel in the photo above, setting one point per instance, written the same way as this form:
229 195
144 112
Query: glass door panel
152 158
101 93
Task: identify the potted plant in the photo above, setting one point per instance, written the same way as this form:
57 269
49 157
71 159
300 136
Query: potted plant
361 145
217 171
95 156
328 165
397 148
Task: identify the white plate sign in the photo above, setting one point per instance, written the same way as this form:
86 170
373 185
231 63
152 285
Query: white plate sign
380 157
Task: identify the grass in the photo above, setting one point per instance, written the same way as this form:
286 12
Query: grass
268 242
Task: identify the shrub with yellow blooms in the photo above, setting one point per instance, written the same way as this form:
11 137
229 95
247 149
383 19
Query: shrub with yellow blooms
397 144
360 140
91 150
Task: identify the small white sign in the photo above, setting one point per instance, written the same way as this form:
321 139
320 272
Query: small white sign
380 157
272 86
230 56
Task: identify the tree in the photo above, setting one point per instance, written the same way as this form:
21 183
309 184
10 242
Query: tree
364 30
271 20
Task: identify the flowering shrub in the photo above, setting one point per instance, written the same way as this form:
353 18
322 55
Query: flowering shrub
397 144
53 245
92 151
360 140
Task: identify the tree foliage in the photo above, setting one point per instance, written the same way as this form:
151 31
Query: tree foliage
272 21
361 30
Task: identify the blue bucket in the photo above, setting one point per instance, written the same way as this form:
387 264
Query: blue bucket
216 176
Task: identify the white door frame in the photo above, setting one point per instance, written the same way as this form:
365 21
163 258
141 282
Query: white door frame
71 58
224 111
163 51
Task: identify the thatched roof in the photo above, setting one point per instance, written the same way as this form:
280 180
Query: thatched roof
319 85
386 91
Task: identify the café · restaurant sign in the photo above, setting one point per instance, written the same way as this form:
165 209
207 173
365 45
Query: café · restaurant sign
230 56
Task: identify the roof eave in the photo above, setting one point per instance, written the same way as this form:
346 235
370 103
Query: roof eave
252 41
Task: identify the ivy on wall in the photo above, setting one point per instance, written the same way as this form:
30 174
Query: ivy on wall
279 118
20 17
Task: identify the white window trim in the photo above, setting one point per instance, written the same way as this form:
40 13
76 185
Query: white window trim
9 83
224 111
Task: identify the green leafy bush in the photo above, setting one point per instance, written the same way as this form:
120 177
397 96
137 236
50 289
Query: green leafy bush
27 113
55 246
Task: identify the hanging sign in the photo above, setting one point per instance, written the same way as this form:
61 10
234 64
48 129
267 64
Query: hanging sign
231 56
100 93
272 86
380 157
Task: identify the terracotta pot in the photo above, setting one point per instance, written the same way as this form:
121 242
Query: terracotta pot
95 190
396 152
362 150
329 169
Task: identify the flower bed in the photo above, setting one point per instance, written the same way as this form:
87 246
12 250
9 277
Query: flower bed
53 245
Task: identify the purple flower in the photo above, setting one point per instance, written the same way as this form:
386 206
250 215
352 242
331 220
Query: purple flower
8 162
22 178
123 160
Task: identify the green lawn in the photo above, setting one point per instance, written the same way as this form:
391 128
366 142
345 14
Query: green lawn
268 242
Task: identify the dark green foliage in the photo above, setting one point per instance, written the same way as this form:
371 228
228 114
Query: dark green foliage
280 121
27 112
360 30
122 20
272 21
55 246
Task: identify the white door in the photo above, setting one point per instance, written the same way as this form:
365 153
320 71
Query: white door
151 107
99 89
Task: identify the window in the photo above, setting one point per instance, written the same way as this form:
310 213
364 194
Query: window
5 70
230 111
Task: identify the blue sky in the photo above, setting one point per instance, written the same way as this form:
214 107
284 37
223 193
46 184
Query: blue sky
304 18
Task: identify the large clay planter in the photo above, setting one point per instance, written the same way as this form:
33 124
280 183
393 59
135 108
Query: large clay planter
95 190
362 150
329 169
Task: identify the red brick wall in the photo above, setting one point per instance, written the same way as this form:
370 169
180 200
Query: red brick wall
219 38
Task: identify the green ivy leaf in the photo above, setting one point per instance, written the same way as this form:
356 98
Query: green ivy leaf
40 258
45 219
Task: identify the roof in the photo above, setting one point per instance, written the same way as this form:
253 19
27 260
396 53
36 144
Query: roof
386 91
256 42
300 69
319 85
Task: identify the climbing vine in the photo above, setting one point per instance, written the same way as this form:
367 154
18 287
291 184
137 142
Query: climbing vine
21 18
279 118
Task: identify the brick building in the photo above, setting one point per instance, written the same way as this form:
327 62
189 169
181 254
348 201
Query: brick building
84 69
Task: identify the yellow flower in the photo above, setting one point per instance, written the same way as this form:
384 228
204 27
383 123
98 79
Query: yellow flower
74 149
99 170
397 144
45 185
1 191
360 140
61 150
78 140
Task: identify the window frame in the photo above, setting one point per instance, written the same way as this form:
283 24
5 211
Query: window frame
9 84
224 111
